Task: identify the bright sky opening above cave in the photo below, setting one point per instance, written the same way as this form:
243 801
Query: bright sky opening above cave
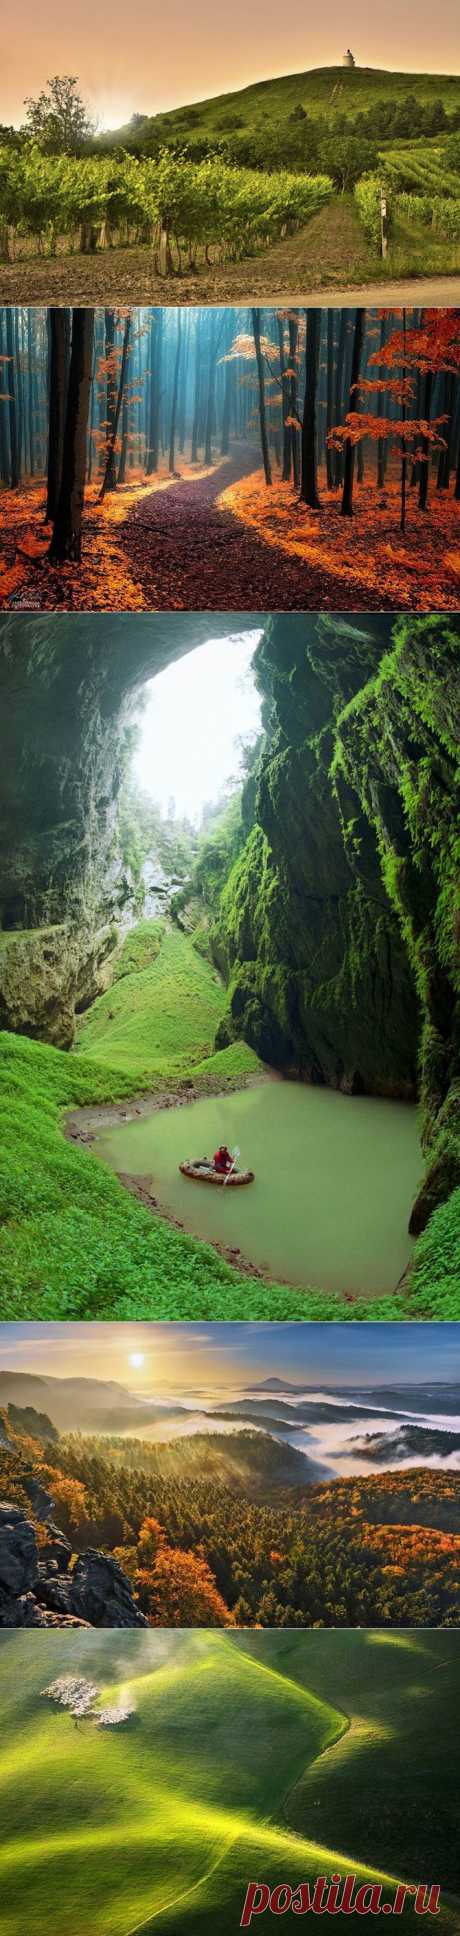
195 714
166 57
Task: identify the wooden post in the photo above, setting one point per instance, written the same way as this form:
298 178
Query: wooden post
383 221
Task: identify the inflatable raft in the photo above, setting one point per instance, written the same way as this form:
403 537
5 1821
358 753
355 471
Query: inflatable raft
205 1173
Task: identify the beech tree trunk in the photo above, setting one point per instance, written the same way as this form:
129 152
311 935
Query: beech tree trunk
309 482
196 395
108 461
124 439
12 404
285 381
381 446
67 528
172 434
338 463
155 353
424 442
293 328
227 409
353 404
59 351
109 479
262 408
329 396
4 447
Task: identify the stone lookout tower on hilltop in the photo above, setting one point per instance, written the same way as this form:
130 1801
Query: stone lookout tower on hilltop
348 59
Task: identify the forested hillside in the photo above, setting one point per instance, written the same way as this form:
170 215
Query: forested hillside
216 1531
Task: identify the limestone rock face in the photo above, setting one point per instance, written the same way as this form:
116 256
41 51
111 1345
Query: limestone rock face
38 1588
44 974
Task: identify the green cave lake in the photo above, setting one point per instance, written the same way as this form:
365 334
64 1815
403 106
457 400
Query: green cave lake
335 1179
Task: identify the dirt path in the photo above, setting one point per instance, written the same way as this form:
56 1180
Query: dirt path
186 552
328 261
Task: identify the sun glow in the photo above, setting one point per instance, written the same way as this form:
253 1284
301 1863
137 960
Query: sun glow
111 114
136 1359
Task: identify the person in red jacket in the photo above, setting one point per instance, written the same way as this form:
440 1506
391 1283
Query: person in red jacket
223 1161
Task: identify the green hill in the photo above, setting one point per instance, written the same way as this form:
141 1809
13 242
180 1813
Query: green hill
162 1010
168 1816
320 91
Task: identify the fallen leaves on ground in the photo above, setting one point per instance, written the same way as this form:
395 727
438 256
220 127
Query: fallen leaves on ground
216 539
419 569
104 580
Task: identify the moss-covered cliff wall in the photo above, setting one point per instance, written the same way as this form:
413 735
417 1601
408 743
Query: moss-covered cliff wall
318 970
338 926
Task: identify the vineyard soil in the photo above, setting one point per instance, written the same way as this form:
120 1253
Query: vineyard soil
331 254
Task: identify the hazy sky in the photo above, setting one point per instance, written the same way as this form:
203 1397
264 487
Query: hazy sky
181 1357
155 57
191 722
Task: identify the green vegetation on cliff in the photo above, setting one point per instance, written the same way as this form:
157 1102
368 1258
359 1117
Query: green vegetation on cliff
336 927
397 747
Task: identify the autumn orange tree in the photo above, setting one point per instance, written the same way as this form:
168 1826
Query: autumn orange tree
427 349
174 1588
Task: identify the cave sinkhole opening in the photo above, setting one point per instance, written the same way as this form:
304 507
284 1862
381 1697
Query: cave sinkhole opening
196 721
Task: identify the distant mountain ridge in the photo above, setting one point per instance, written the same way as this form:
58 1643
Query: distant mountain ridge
86 1404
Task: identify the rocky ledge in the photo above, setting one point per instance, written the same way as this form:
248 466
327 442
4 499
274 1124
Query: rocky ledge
40 1588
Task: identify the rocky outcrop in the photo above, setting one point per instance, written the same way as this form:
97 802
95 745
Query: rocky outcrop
47 974
40 1588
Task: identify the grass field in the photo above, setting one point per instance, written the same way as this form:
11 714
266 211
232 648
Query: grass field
276 1756
73 1242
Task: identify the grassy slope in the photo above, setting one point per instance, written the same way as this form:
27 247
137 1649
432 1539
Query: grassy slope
159 1018
318 91
73 1242
170 1817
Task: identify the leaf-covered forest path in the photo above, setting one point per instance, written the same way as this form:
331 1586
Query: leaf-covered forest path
186 551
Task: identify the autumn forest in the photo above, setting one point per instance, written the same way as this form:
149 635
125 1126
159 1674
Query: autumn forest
311 458
218 1531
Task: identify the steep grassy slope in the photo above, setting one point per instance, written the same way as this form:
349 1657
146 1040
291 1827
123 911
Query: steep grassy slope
111 1830
160 1018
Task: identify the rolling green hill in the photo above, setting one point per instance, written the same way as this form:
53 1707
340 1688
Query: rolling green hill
319 91
231 1766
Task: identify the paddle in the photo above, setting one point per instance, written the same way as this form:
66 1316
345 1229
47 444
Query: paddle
235 1154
